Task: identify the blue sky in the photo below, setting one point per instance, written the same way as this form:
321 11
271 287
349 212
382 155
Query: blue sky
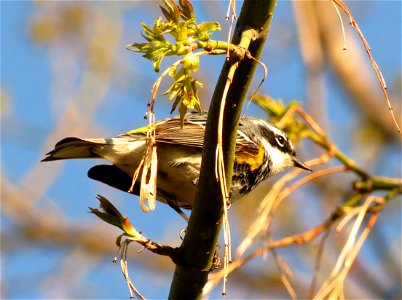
30 112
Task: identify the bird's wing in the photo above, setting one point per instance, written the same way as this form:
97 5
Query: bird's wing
191 134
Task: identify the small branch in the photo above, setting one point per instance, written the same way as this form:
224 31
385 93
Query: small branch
221 177
284 273
298 239
306 236
124 269
232 10
377 70
198 247
333 286
290 189
318 136
110 214
378 183
157 248
276 195
317 265
368 183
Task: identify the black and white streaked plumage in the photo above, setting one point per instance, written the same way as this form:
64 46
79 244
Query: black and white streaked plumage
262 150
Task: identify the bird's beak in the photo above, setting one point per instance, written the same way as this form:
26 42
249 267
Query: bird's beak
299 164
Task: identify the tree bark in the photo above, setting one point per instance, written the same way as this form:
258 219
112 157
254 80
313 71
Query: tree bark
198 247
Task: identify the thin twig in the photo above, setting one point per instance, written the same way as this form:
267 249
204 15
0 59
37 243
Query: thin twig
377 70
220 172
343 27
124 269
317 264
261 82
321 139
303 238
284 273
297 239
290 189
272 200
232 11
333 286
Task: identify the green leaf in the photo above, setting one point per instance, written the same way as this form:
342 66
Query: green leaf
191 62
172 71
198 83
111 215
166 14
182 26
174 12
182 35
186 9
182 112
196 99
209 26
174 105
173 94
205 28
149 33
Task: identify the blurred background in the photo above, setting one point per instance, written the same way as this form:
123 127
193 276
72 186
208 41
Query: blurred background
65 71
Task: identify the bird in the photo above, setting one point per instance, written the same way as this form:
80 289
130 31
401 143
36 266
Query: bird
262 151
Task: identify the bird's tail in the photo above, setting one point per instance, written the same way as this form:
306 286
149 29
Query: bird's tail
73 147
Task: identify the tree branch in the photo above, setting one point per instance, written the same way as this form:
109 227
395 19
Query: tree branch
199 244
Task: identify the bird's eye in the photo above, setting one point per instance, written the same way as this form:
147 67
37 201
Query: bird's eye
280 140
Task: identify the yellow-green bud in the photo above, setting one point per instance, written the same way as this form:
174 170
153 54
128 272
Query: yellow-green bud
191 62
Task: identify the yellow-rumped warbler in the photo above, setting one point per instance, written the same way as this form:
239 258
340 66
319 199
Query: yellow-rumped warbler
262 150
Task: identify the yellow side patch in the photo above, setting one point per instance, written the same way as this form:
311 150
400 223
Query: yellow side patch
253 161
139 130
